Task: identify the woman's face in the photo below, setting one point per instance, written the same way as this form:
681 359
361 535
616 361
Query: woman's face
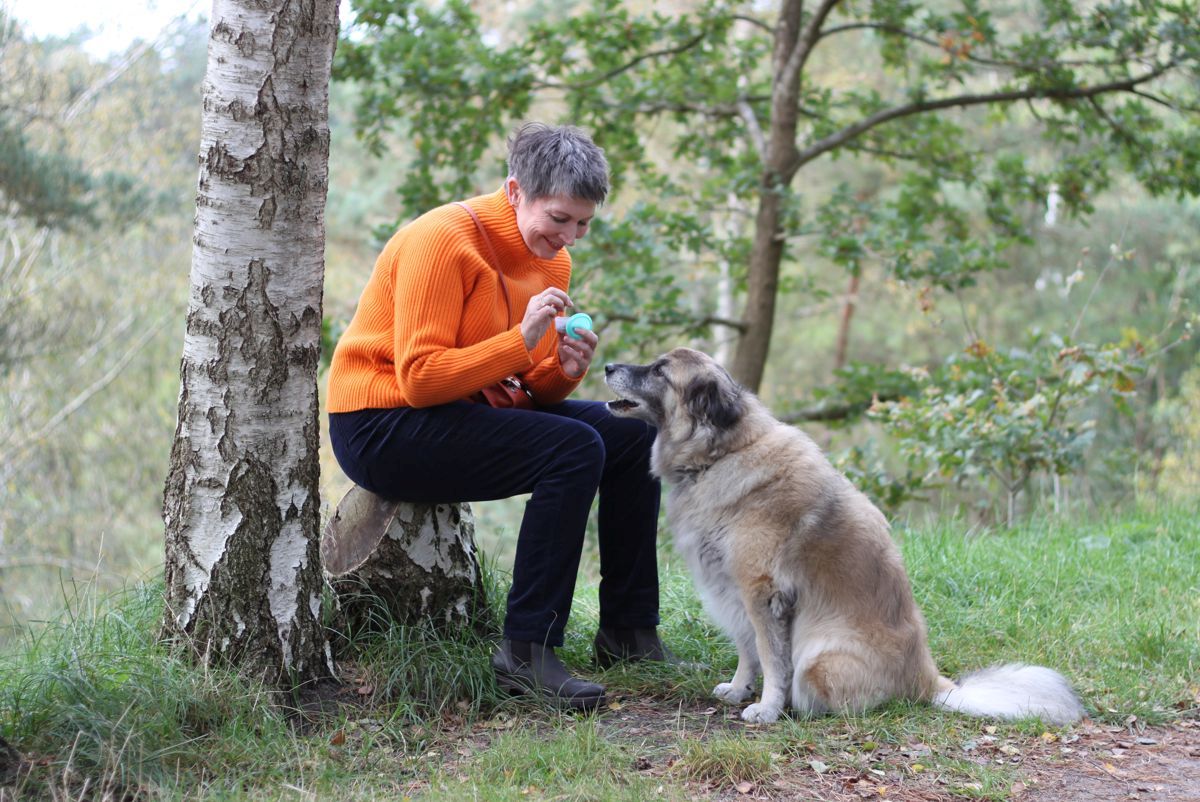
549 224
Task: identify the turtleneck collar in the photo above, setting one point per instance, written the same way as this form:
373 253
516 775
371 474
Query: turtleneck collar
500 219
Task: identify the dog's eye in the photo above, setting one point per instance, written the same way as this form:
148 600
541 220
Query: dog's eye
657 369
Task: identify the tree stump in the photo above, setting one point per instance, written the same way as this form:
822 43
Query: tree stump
396 562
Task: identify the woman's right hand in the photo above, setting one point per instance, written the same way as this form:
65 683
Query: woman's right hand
540 313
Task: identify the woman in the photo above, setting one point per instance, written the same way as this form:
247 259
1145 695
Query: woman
436 323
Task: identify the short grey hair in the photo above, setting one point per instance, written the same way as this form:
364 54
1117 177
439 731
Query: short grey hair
551 160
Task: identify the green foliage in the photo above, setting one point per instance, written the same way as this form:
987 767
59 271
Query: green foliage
41 179
48 188
1179 474
975 116
887 489
435 52
89 347
1008 415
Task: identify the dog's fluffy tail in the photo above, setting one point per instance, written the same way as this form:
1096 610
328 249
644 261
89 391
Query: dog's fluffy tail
1012 691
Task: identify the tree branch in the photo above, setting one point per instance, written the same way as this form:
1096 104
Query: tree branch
755 21
920 107
723 110
670 51
916 37
808 40
753 128
835 412
1164 102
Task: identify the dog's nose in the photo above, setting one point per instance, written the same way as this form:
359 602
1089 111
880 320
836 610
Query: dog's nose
609 368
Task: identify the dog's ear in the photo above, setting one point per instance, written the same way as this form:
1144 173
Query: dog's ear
716 402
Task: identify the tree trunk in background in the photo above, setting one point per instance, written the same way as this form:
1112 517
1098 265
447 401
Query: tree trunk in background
395 562
779 168
241 503
843 333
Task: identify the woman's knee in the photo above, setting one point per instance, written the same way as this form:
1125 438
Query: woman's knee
579 451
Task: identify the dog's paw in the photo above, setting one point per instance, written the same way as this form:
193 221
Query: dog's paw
760 714
734 694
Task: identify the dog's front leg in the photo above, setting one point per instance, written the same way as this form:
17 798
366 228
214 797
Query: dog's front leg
771 612
741 687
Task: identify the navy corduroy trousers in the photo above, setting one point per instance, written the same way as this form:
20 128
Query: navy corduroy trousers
562 455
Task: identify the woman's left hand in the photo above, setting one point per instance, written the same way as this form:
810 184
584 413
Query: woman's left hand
575 355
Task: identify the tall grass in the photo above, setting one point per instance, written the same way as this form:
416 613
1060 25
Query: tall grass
102 709
1113 603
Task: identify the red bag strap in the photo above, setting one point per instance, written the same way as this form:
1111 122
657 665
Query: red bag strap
495 260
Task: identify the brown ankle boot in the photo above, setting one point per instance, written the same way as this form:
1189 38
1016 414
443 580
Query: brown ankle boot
613 645
523 667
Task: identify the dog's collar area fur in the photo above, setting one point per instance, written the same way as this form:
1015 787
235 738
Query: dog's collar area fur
688 475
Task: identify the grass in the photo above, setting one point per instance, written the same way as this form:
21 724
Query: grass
104 711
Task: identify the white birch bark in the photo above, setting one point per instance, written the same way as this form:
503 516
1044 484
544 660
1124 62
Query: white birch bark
395 562
241 503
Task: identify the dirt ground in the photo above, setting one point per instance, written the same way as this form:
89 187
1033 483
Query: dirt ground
1091 763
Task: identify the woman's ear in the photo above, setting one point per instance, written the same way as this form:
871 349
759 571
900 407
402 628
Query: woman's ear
513 190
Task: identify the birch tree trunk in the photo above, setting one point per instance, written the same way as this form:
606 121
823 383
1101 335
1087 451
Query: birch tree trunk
241 503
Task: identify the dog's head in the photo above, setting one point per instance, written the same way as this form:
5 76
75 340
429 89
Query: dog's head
684 393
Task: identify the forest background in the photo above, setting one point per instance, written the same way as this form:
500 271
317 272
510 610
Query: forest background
92 302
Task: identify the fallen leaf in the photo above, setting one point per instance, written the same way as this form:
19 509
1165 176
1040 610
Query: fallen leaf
614 705
1009 749
366 690
916 768
882 790
500 723
338 738
744 787
818 766
990 729
1049 737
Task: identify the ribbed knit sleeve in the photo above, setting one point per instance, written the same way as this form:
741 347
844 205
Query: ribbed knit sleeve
432 325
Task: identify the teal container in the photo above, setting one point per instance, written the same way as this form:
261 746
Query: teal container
573 325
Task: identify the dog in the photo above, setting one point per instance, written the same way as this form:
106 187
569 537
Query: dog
795 564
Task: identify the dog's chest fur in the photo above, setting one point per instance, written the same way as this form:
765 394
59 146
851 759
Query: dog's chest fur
710 519
706 543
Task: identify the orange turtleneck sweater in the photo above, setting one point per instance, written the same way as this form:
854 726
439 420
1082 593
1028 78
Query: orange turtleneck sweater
431 325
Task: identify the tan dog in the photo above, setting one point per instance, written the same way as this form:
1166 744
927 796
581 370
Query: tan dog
794 563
